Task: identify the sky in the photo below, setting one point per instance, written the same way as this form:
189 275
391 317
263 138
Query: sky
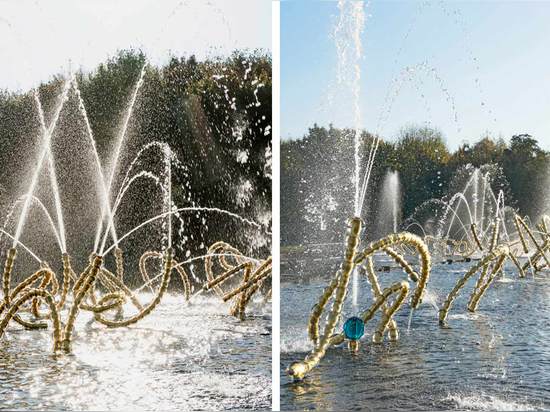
39 39
488 69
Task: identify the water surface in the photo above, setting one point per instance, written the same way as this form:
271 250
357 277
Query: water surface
180 357
495 359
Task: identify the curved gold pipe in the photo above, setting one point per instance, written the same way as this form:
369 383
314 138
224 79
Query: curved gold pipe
473 228
489 257
476 296
299 369
532 237
483 276
423 252
377 292
29 295
149 308
88 279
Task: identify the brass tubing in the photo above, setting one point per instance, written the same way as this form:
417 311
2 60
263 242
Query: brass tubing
260 273
533 259
495 254
31 294
85 286
473 228
397 238
149 308
103 305
532 237
66 280
472 305
403 263
515 261
225 276
6 278
6 281
184 279
143 268
402 289
240 306
121 286
317 310
521 237
299 369
21 286
377 292
483 276
208 263
119 259
46 279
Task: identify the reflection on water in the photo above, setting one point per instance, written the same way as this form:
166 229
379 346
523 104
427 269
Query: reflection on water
181 357
496 359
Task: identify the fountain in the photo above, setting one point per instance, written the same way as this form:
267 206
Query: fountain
389 206
472 224
96 289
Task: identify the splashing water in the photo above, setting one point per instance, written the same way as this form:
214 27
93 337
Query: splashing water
114 163
347 35
53 178
45 149
189 209
389 207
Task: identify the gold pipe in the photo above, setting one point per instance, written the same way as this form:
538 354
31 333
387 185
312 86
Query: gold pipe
482 277
46 279
119 259
317 310
31 294
184 279
403 263
221 248
152 305
261 272
66 280
377 292
473 228
409 238
490 256
299 369
6 278
402 289
143 268
520 234
86 284
515 261
247 267
472 305
121 286
103 305
532 237
6 281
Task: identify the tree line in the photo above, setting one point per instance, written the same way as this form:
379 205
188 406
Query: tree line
317 188
215 114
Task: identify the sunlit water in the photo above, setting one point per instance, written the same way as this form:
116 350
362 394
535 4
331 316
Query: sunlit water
496 359
181 357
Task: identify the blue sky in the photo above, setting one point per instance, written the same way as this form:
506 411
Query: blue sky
492 57
38 39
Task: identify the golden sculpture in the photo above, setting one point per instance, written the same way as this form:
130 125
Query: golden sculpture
99 291
253 277
337 290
